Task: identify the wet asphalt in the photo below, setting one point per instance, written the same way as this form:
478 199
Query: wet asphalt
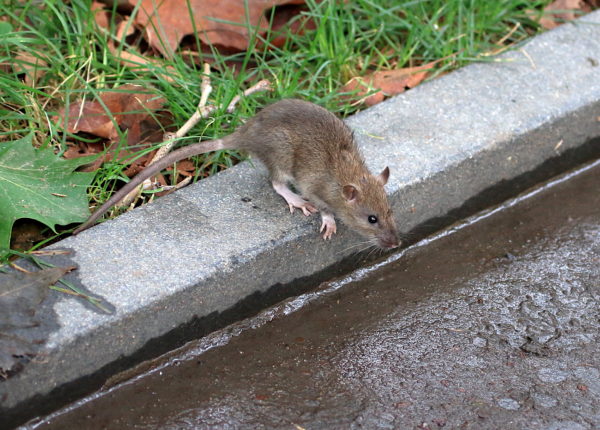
491 324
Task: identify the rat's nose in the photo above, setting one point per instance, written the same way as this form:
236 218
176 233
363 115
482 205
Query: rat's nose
389 242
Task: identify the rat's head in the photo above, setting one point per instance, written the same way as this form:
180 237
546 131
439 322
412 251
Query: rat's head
368 211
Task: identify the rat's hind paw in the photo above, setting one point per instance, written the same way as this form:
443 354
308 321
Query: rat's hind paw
307 208
294 200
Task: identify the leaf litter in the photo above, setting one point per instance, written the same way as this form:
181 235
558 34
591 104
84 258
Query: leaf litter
125 108
560 11
227 23
386 83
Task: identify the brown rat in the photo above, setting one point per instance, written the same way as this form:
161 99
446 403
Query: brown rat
305 145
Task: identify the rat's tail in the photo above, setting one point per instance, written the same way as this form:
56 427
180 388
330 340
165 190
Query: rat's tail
151 170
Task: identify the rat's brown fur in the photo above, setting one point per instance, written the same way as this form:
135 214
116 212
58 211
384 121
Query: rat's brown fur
301 143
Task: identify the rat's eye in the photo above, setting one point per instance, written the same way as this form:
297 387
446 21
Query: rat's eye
372 219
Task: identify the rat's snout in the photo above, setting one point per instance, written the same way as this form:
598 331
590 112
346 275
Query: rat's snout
389 241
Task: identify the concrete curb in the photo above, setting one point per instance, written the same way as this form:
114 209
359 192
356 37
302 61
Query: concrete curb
205 249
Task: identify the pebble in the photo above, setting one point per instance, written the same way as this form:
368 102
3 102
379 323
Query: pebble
480 342
510 404
547 374
544 401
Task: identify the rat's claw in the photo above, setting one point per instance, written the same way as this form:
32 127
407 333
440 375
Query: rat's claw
308 209
328 224
294 200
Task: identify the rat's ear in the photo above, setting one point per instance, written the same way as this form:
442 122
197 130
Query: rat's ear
384 176
350 192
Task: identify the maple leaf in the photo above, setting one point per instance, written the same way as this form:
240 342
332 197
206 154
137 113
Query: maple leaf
218 22
39 185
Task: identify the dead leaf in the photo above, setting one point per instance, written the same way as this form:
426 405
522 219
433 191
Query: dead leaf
125 29
26 233
82 149
20 296
218 22
138 61
151 132
387 82
560 11
126 32
130 106
101 15
138 164
186 167
32 66
282 19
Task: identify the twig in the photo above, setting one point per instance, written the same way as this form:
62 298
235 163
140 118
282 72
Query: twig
500 43
51 252
179 185
263 85
201 112
510 33
522 51
170 138
130 198
19 268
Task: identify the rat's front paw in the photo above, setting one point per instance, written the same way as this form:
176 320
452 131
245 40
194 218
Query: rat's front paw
328 227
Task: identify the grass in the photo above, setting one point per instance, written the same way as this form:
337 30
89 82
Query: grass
349 39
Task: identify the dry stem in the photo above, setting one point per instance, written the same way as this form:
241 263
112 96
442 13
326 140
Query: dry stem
202 111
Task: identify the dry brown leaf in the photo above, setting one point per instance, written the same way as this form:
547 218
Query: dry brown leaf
138 61
26 233
387 82
560 11
123 31
282 19
138 164
186 167
101 15
151 132
82 149
33 67
129 107
168 22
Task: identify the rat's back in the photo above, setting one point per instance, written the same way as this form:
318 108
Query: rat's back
294 135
